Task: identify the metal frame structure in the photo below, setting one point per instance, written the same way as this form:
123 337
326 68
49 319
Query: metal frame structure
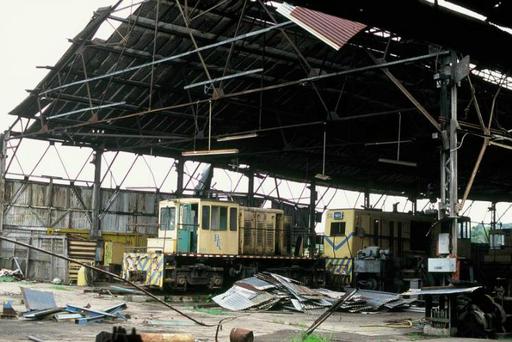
139 91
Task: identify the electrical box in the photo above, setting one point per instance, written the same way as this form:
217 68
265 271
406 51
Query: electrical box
442 265
443 243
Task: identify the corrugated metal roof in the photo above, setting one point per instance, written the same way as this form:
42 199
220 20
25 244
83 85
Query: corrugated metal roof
359 108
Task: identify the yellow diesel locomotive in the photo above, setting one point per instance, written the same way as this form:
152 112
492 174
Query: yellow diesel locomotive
206 242
364 246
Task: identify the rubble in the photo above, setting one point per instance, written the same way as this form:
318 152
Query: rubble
267 291
41 304
8 311
9 275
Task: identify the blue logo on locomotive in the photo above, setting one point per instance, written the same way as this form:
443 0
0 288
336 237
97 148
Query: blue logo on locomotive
216 238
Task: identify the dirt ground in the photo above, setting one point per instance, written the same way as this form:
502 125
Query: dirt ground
153 317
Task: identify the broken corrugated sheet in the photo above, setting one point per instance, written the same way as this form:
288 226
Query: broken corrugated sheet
239 298
440 290
258 284
377 298
283 292
40 314
333 31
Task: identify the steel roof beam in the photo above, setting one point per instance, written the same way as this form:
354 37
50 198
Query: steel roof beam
181 31
160 61
123 81
144 55
124 107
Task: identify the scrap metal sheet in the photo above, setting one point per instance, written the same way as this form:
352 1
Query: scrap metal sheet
38 300
440 290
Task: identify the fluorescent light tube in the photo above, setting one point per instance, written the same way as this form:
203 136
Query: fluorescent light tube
322 177
237 137
209 152
398 162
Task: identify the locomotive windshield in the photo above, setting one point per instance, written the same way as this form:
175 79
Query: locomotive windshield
167 218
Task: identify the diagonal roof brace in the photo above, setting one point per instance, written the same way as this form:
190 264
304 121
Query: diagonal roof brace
407 94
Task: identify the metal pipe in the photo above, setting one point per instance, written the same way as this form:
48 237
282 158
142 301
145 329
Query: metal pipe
129 136
113 275
239 74
170 58
474 172
508 147
86 109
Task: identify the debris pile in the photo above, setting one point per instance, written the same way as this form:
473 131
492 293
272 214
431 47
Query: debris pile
7 275
266 291
41 304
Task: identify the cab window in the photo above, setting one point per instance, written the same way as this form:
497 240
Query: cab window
233 219
337 228
167 218
206 217
219 218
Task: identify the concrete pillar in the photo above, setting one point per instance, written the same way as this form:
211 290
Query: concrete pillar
312 217
96 196
180 165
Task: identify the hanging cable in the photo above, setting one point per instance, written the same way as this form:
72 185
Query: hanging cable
209 125
323 154
399 134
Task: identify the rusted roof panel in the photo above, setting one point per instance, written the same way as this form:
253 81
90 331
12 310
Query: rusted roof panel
334 31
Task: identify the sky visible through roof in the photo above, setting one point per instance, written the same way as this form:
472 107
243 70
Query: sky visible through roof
36 33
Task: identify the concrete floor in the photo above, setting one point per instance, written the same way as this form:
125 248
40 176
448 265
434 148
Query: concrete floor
153 317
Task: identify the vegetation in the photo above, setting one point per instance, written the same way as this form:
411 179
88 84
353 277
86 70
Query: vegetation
310 338
480 232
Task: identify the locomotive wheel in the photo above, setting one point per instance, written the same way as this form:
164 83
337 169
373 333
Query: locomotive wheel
216 281
181 281
473 323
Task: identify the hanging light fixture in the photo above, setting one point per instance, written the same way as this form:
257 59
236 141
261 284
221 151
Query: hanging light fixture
199 153
397 161
323 176
237 137
209 151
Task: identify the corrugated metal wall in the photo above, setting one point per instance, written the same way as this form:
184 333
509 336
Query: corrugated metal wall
42 267
36 205
31 208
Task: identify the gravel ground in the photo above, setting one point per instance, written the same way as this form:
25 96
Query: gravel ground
153 317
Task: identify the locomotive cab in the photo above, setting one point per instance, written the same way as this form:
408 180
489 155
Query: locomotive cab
197 226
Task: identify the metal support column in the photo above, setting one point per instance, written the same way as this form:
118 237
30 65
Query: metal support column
414 202
312 218
96 195
492 235
448 208
3 159
366 200
250 188
180 166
